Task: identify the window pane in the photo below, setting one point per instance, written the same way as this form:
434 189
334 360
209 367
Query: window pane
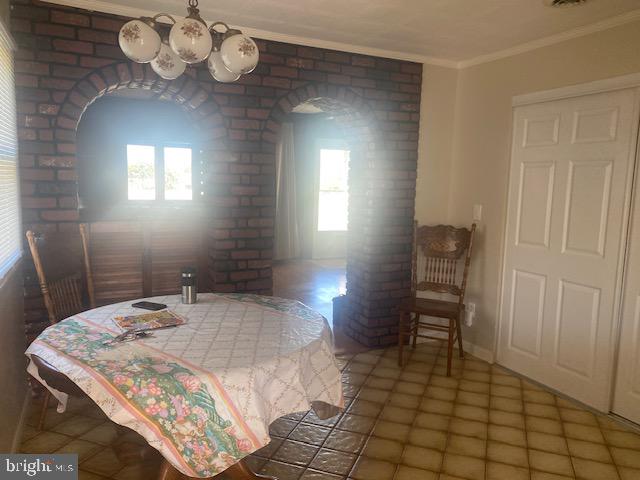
333 200
178 177
334 170
141 172
332 211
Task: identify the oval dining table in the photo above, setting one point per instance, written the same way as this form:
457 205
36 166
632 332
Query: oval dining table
204 393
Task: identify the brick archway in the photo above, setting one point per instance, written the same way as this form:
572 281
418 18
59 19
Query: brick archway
380 211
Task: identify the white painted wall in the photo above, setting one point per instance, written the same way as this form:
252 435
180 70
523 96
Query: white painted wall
465 142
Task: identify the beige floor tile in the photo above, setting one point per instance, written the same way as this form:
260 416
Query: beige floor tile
506 391
474 399
625 457
105 462
607 423
550 462
483 377
356 423
424 458
396 414
508 419
469 412
476 387
365 408
423 437
77 425
354 378
578 416
392 431
535 396
501 471
361 368
507 404
446 476
345 441
312 434
505 380
82 448
370 469
509 454
390 371
332 461
468 446
420 378
622 439
373 395
541 410
45 442
589 470
464 467
628 473
536 475
380 383
547 443
410 388
432 421
444 382
146 470
583 432
508 435
281 470
440 393
410 473
544 425
589 450
404 400
383 449
468 428
431 405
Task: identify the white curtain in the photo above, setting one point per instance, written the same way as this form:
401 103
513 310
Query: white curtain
287 243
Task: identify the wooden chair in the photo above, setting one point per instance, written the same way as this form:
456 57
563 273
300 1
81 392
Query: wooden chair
441 249
65 278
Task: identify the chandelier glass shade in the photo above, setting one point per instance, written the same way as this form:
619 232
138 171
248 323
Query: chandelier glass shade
229 53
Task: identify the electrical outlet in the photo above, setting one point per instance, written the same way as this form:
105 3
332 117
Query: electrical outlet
477 213
470 314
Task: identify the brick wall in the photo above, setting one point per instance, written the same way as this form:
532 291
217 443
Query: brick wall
68 57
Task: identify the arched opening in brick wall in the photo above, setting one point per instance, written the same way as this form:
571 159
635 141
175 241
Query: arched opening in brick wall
379 229
158 238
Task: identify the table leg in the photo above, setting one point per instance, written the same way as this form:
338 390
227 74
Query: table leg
239 471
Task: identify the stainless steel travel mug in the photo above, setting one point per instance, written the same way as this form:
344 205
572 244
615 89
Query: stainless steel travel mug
189 285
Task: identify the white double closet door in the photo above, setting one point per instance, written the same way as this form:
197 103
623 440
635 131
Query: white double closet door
570 197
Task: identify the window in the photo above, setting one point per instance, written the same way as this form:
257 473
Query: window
157 172
333 197
10 236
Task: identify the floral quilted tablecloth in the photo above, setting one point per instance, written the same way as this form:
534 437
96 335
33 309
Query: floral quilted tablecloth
204 393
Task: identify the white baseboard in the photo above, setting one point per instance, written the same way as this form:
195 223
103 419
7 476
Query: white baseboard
478 352
17 435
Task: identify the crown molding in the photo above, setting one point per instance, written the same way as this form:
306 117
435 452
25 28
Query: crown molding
618 20
127 11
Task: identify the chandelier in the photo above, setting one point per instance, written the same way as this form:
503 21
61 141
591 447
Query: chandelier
229 53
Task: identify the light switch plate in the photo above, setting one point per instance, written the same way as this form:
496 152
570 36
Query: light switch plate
477 213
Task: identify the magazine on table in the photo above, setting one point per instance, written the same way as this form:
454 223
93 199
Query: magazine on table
149 321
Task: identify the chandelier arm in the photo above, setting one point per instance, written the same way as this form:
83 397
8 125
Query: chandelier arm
173 20
212 27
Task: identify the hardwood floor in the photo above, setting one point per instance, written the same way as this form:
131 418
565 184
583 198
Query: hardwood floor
315 283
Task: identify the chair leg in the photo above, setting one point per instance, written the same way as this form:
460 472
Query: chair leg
450 345
459 331
415 324
43 411
401 339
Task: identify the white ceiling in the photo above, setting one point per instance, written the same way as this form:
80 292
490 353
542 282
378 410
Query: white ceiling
450 31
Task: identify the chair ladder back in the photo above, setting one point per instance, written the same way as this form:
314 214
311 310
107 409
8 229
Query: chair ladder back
467 263
42 280
443 248
86 251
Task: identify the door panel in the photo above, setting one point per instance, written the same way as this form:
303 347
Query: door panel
570 173
626 402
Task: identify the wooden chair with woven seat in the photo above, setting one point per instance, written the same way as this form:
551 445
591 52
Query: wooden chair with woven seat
64 274
438 252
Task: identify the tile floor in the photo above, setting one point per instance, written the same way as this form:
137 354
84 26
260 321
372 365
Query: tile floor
401 424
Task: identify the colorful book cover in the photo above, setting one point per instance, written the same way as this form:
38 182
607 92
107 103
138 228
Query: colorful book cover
149 321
